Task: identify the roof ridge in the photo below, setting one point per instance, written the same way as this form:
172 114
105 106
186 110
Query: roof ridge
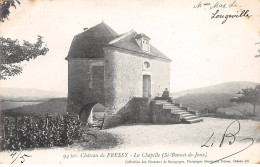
109 29
86 30
112 32
121 37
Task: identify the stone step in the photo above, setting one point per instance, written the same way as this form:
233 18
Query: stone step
198 119
184 112
171 107
178 110
162 103
160 100
169 104
189 117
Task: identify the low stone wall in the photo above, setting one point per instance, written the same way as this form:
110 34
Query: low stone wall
142 110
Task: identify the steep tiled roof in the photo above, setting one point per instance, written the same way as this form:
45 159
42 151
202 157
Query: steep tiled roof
90 43
128 42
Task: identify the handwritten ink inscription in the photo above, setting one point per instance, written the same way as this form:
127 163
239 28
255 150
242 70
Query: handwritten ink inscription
219 12
243 13
216 5
231 138
15 155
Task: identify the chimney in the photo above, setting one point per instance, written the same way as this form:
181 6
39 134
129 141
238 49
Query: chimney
85 29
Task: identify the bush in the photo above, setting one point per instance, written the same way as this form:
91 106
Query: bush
206 111
37 132
213 112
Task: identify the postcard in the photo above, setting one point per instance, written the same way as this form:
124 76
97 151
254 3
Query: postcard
130 82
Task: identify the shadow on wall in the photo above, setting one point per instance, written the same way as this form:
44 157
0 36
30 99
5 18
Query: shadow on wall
137 110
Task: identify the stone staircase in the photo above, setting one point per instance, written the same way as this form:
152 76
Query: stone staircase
177 114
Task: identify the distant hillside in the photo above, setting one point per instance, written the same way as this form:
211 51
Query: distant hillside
215 96
200 101
52 106
57 106
219 100
28 94
226 88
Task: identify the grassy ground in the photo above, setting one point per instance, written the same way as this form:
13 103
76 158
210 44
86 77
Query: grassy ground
5 105
94 140
57 106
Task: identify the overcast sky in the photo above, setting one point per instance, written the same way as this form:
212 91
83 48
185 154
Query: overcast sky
204 51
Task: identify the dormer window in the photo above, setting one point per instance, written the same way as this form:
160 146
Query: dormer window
144 42
145 45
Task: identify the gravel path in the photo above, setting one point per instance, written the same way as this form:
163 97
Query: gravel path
145 135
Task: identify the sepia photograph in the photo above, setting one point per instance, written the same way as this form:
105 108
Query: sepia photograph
150 82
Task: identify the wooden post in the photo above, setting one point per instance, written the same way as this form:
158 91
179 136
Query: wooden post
4 129
16 127
30 120
47 122
103 122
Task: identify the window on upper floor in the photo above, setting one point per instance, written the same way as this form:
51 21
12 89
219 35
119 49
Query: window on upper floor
145 45
144 42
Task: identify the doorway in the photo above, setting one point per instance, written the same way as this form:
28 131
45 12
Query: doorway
147 86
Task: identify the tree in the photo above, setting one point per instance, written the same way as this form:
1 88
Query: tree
12 52
248 95
5 8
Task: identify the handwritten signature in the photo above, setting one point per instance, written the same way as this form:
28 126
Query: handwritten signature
231 137
220 8
216 5
18 154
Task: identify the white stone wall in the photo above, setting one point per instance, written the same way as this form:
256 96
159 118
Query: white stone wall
124 77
